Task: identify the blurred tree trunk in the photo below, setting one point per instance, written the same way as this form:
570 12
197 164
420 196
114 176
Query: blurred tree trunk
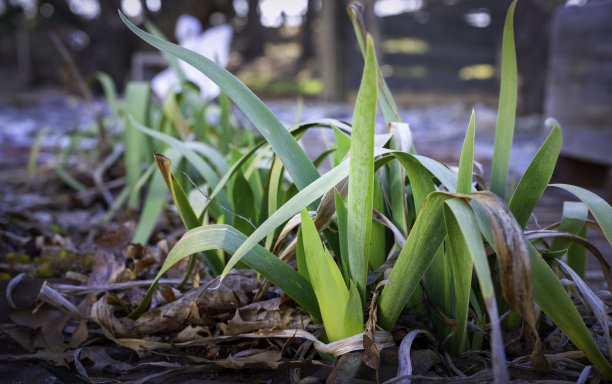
254 31
330 44
308 48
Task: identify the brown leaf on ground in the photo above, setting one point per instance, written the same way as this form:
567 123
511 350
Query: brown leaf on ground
265 314
102 362
46 334
205 305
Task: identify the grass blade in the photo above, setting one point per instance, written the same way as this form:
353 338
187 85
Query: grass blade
576 255
574 215
274 190
465 242
201 166
342 238
188 216
447 177
110 92
327 182
466 162
35 151
554 301
173 113
361 174
385 98
172 61
402 141
536 178
506 111
326 279
294 205
288 150
137 97
378 247
154 203
300 257
210 237
421 246
303 198
462 270
514 265
343 144
600 209
353 314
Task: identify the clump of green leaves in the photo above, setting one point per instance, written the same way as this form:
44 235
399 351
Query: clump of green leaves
441 222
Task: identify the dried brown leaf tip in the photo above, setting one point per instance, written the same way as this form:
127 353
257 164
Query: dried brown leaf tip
163 163
371 356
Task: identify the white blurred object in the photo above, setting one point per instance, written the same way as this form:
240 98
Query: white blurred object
214 44
575 3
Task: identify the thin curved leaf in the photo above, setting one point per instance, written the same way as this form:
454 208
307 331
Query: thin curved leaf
465 242
466 162
385 98
110 92
137 96
554 301
210 237
506 111
361 174
326 182
536 178
600 209
327 282
188 217
285 146
202 166
574 216
417 254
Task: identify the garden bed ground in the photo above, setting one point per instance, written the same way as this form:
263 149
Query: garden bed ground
63 231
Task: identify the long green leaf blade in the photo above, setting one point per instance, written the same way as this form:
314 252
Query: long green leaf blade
465 242
385 98
536 178
466 163
326 279
353 315
361 174
110 92
402 141
573 218
186 212
554 301
600 209
462 270
504 132
324 184
284 145
202 166
414 259
576 255
343 240
154 203
137 96
378 241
